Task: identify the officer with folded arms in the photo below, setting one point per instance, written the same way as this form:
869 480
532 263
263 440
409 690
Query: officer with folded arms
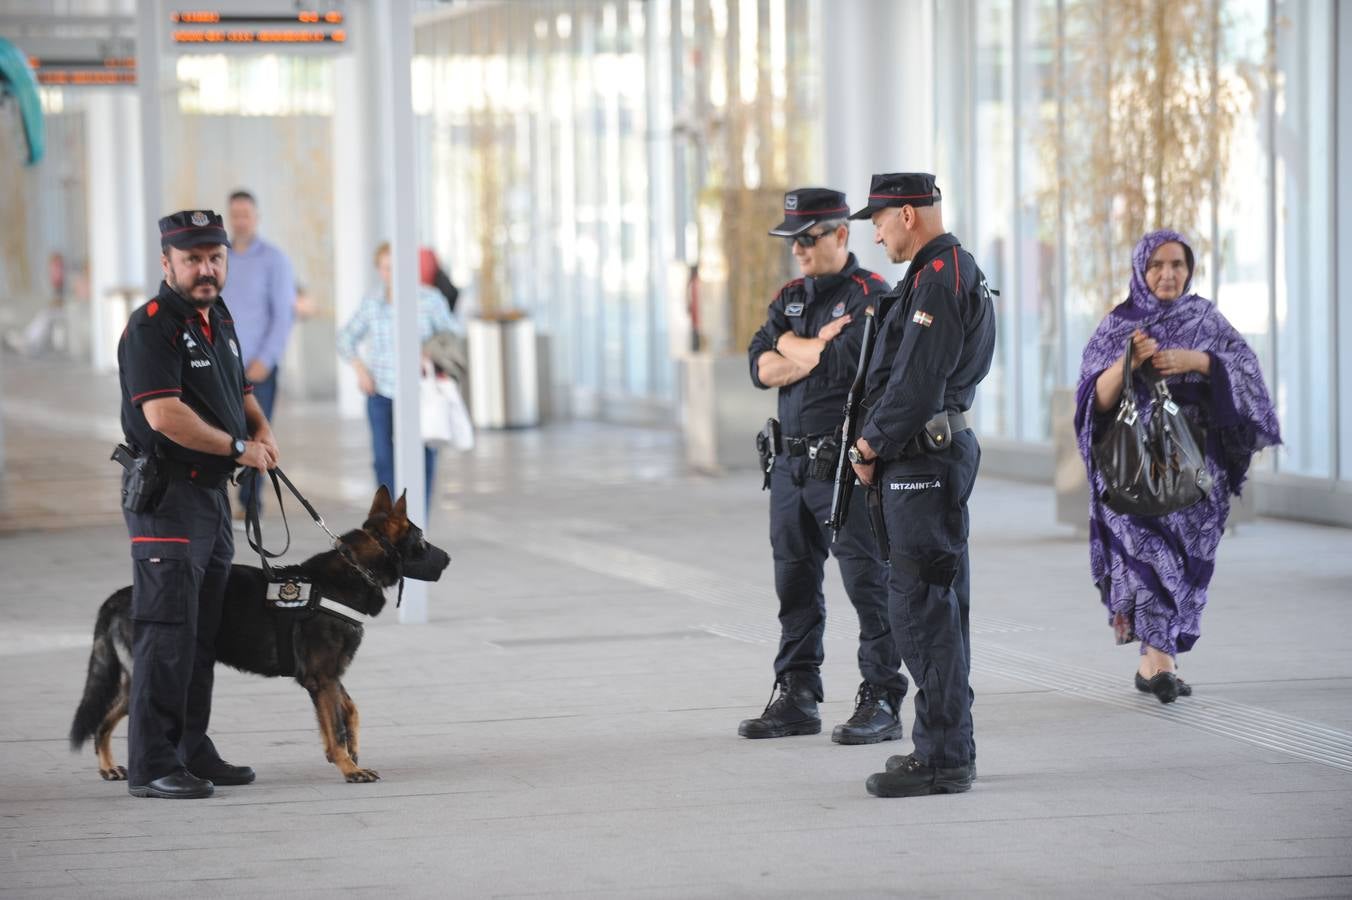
935 342
808 348
189 418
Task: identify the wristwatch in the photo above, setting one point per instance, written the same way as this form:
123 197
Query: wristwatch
856 457
238 448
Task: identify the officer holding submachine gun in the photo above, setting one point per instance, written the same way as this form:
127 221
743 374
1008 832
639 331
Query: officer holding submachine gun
808 348
936 338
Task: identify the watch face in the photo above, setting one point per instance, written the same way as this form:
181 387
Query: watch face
854 455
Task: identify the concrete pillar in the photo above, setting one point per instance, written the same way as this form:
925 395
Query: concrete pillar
149 58
878 114
395 42
116 215
358 217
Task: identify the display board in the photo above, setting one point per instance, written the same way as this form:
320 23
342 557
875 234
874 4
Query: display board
258 27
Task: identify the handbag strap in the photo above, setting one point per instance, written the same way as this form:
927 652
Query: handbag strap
1126 401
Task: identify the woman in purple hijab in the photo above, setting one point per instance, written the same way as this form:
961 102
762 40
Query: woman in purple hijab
1152 571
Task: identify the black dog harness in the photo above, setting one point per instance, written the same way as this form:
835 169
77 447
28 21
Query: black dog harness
291 596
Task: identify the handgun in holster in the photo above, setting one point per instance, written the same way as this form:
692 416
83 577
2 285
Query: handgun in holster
143 483
768 446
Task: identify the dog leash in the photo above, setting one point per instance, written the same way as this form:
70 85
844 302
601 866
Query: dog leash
253 529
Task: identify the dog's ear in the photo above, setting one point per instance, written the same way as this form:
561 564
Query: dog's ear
381 503
400 511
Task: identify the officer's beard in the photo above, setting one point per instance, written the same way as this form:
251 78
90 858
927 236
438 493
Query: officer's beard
197 302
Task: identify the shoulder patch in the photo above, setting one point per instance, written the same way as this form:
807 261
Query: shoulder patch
152 307
938 265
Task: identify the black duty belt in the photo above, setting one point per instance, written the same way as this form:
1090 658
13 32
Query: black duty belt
799 446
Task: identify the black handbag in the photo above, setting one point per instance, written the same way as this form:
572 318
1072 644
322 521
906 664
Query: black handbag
1150 468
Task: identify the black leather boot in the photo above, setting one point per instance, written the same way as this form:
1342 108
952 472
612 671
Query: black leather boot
896 762
875 718
792 710
913 778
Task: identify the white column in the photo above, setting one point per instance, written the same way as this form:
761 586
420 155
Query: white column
355 212
395 28
115 215
878 115
148 60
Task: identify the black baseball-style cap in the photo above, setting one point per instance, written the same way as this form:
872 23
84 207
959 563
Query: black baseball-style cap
899 189
805 207
192 228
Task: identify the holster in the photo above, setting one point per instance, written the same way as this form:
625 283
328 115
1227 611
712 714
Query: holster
768 446
144 482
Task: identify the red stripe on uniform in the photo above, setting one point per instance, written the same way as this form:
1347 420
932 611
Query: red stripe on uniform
957 273
861 283
158 540
160 391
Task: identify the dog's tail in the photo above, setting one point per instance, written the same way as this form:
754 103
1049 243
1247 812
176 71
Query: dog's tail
106 671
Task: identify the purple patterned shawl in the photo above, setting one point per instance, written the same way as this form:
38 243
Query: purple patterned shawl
1153 572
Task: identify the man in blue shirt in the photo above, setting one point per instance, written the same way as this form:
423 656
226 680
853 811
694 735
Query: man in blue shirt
262 293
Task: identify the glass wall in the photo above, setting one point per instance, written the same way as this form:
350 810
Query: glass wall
1269 224
565 148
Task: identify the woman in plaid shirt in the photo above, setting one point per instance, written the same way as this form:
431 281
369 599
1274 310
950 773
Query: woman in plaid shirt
367 342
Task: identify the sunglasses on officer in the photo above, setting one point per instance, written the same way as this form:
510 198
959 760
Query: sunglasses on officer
809 239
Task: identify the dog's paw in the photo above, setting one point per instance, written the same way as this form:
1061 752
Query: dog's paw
116 773
363 775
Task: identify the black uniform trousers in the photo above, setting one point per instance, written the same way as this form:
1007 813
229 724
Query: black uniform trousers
799 508
924 504
181 553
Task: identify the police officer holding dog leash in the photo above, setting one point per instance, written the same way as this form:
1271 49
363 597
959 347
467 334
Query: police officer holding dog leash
189 419
808 348
919 458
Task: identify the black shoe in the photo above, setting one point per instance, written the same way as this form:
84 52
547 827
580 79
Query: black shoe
1164 685
896 762
793 711
221 772
1184 689
177 785
874 720
912 778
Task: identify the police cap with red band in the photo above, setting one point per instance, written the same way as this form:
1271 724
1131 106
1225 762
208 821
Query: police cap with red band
192 228
805 207
899 189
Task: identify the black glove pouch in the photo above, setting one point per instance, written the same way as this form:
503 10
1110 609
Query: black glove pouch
822 459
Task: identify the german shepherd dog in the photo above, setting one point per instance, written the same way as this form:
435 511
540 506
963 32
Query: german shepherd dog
253 635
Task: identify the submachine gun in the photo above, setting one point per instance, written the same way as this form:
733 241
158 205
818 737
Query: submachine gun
849 433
